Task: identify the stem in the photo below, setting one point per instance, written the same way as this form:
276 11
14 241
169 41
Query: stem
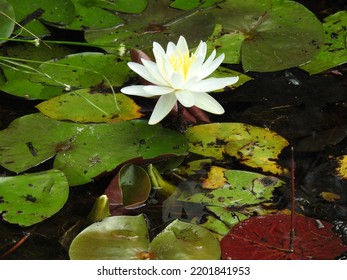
292 214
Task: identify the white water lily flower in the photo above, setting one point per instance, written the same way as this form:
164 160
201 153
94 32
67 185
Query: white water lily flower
178 75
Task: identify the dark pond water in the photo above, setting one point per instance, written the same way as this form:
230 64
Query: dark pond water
309 111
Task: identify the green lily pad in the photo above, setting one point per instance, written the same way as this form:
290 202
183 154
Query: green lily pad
192 4
127 238
185 241
31 198
6 24
114 238
19 64
31 13
139 32
83 106
243 188
277 34
83 151
83 70
253 146
89 14
334 50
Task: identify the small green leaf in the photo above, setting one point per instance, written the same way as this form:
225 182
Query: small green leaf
185 241
84 106
31 198
135 184
100 209
7 18
114 238
253 146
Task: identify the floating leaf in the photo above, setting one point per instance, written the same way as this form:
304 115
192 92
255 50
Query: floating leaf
243 188
51 11
192 4
84 106
334 50
126 238
139 32
277 34
31 198
89 14
83 70
184 241
267 237
83 151
6 20
19 72
253 146
114 238
341 170
215 178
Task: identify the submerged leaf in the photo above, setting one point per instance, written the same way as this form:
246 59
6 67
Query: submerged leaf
253 146
31 198
83 106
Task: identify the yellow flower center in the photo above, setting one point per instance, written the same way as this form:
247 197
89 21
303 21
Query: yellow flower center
181 63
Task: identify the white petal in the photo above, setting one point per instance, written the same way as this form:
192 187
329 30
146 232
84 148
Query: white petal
162 108
171 49
201 50
182 47
176 81
143 72
212 84
186 98
136 90
157 90
207 103
153 70
210 67
159 54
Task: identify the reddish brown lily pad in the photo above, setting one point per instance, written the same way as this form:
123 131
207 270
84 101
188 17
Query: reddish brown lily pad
268 238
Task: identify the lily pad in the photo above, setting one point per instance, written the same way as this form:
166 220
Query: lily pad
253 146
277 34
84 70
127 238
341 169
139 32
19 64
84 106
243 188
193 4
7 18
334 50
31 198
31 13
267 238
184 241
114 238
83 151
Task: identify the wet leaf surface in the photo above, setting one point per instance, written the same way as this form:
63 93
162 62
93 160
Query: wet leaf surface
6 24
